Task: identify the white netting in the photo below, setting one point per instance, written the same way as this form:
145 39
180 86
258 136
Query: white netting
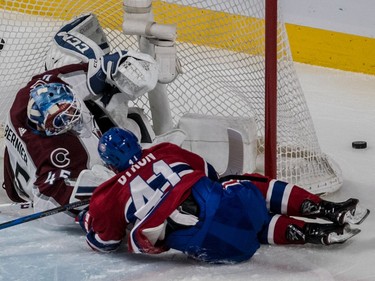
220 44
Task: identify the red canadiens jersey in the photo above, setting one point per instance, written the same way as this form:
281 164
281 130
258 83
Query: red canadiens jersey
144 195
38 168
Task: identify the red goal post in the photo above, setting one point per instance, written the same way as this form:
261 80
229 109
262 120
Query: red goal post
270 146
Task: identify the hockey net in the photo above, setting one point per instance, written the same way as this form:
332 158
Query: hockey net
220 45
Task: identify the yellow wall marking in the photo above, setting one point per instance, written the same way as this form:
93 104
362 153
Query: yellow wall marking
308 45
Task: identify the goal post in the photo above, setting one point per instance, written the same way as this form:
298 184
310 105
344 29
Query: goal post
222 50
270 127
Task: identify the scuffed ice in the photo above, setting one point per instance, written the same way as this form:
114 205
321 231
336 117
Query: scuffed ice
342 107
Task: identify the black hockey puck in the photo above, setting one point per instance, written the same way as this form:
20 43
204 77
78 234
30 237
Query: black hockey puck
2 43
359 144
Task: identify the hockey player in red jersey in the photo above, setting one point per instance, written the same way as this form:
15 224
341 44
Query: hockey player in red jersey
170 198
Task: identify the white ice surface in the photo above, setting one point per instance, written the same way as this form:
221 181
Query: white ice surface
342 105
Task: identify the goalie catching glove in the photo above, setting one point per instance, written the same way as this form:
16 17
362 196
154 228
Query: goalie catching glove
132 73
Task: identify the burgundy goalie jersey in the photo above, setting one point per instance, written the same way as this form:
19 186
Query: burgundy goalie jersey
39 168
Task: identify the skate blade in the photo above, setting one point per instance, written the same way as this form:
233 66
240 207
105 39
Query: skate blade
358 217
335 238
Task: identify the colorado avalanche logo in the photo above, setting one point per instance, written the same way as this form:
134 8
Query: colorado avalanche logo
59 157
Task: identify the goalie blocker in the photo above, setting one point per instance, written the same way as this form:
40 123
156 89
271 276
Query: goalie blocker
132 73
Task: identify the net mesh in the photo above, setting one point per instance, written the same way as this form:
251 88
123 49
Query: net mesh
221 48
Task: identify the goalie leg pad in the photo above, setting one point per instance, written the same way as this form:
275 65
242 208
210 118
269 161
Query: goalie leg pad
208 137
78 41
88 180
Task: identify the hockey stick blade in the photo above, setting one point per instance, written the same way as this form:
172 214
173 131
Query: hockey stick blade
235 154
43 214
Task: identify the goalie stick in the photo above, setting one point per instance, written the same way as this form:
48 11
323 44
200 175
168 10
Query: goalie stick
235 154
43 214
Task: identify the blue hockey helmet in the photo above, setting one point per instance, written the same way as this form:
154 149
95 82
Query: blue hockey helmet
54 108
119 148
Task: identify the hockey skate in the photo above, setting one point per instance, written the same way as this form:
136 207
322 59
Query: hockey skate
324 234
341 213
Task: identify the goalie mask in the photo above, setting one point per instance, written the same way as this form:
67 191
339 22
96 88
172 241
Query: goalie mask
54 108
119 149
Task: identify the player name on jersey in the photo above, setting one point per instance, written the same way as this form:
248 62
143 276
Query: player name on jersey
16 142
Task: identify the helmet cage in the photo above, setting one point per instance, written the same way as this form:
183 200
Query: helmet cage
54 108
